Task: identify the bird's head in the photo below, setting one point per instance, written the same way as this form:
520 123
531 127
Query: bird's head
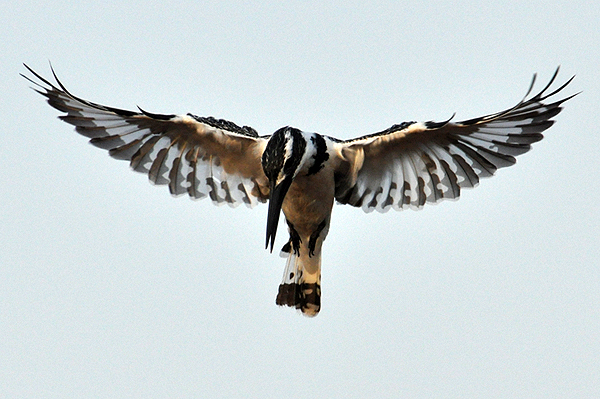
281 162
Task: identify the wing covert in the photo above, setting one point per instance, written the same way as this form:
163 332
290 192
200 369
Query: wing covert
414 163
200 156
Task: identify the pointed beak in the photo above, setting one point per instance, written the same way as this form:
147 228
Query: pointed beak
276 197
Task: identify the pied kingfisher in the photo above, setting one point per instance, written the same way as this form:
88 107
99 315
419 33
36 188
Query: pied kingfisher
405 166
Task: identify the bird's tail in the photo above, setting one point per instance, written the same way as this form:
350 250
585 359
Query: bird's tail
301 284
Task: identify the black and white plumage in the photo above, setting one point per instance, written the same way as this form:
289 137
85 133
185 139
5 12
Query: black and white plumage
405 166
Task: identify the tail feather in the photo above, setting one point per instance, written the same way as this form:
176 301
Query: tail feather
301 284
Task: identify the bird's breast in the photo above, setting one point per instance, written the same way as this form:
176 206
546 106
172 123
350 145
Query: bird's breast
309 201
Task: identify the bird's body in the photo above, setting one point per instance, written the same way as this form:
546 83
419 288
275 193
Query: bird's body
306 205
303 174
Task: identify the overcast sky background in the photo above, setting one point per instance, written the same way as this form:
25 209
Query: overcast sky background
111 288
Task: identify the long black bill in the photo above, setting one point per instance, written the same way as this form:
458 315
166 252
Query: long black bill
275 201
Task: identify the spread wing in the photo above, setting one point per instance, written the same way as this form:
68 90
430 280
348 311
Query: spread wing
203 157
411 164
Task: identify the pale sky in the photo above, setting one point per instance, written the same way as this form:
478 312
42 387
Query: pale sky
111 288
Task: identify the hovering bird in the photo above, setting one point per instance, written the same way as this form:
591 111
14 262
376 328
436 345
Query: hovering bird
405 166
